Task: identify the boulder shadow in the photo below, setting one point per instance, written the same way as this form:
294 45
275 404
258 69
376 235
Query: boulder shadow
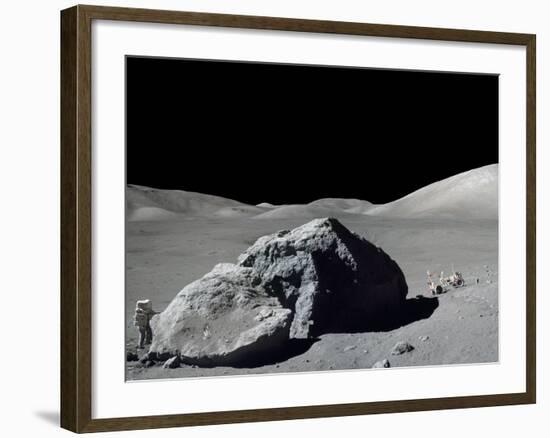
412 310
286 351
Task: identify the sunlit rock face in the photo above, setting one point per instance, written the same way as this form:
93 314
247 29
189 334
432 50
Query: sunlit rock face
331 278
314 279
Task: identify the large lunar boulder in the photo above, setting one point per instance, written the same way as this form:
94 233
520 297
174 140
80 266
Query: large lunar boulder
315 279
223 318
330 278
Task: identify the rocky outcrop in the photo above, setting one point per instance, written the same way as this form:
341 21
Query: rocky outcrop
401 348
382 364
330 278
315 279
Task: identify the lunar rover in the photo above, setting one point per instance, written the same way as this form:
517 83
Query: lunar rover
454 280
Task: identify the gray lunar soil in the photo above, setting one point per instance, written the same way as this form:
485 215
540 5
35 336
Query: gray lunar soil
175 238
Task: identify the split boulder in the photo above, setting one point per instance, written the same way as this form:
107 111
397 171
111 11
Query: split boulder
329 277
314 279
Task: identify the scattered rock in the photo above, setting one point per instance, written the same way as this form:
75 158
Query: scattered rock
382 364
423 338
173 362
350 348
131 356
401 348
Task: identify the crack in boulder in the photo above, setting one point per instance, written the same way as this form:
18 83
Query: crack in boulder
293 284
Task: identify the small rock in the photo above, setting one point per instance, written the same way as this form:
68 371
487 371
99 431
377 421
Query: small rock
461 317
173 362
401 347
131 357
423 338
382 364
350 348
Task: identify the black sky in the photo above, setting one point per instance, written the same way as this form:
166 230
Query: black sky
292 134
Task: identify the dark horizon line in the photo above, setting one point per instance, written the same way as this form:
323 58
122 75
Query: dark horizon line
317 199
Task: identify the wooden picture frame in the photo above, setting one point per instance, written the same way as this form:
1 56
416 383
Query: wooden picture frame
76 218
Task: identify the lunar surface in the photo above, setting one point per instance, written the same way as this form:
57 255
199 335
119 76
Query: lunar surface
175 238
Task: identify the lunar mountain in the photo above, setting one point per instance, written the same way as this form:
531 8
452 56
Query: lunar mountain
469 195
